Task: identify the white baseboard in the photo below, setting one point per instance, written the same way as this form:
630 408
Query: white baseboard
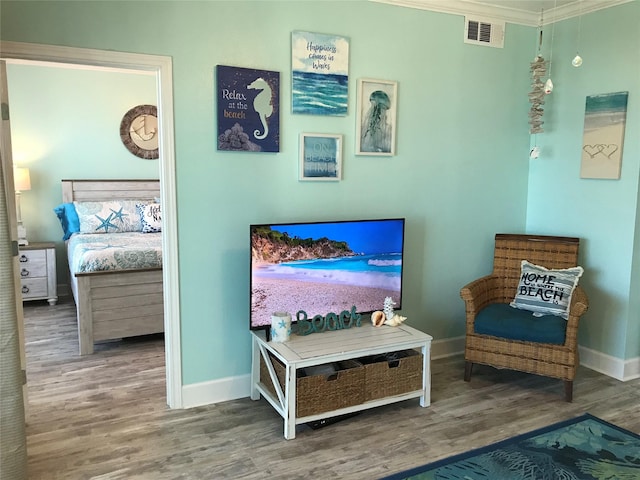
631 369
216 391
617 368
447 347
614 367
232 388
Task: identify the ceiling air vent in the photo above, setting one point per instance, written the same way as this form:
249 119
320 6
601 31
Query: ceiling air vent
484 32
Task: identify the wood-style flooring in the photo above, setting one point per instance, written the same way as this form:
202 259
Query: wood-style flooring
104 416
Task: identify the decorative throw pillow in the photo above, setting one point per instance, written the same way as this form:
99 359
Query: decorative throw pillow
544 291
66 213
150 216
108 217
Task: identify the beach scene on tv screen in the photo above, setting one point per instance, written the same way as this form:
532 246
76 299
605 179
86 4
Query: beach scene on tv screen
324 267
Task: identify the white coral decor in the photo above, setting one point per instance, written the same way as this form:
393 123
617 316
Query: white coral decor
392 319
388 307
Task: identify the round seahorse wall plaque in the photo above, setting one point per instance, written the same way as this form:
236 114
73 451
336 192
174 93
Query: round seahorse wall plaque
248 109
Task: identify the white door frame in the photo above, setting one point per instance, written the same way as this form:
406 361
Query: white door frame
163 68
7 167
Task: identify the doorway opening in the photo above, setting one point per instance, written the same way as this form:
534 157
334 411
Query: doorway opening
161 67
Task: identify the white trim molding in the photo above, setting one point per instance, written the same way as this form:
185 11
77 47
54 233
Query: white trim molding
162 68
508 14
233 388
614 367
216 391
447 347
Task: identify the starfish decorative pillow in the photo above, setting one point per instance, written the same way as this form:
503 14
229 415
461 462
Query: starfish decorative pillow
108 217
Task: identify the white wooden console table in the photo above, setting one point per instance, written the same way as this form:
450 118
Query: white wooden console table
333 346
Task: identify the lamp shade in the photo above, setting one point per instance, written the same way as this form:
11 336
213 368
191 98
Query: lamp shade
21 179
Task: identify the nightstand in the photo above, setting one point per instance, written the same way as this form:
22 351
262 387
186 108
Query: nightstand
38 272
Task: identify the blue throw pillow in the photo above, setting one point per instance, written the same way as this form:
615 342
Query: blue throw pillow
69 220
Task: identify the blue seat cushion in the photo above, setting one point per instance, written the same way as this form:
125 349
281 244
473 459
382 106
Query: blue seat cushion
501 320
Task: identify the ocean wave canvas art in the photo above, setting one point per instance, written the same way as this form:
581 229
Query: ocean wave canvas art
320 73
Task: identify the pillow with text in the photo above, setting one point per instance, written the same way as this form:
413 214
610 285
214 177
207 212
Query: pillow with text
546 291
150 216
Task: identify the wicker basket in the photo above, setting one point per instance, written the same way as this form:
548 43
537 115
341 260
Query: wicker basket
322 392
392 374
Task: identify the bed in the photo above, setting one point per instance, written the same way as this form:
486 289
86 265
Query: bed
122 298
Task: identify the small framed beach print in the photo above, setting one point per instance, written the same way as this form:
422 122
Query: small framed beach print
320 157
376 107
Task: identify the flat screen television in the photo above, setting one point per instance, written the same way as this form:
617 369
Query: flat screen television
323 267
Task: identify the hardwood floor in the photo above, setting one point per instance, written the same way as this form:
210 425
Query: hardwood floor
104 416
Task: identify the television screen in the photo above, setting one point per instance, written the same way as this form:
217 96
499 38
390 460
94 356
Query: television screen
324 267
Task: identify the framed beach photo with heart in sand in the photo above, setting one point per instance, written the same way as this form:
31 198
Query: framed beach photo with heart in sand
605 119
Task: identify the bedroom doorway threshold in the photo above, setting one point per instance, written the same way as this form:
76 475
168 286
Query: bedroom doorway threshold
162 68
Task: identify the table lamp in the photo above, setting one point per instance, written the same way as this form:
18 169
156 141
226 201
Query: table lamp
22 183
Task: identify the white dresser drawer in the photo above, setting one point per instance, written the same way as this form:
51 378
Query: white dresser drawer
33 270
33 263
37 270
34 287
33 256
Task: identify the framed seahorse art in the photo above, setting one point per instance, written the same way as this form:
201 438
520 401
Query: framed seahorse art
248 109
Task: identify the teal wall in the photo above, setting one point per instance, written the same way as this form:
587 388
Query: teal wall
602 212
633 330
460 175
65 123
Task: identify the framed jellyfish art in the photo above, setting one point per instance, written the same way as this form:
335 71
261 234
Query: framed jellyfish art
376 108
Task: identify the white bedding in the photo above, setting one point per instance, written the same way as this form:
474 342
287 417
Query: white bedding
114 251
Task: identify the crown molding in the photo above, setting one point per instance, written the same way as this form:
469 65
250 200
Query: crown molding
510 15
578 8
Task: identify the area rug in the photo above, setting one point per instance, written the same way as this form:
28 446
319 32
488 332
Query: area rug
585 447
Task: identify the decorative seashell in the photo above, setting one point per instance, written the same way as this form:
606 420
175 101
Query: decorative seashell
548 86
395 321
377 318
577 61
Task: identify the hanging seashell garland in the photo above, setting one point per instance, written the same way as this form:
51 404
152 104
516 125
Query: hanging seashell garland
538 70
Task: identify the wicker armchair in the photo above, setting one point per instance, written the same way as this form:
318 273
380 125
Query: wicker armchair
551 360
